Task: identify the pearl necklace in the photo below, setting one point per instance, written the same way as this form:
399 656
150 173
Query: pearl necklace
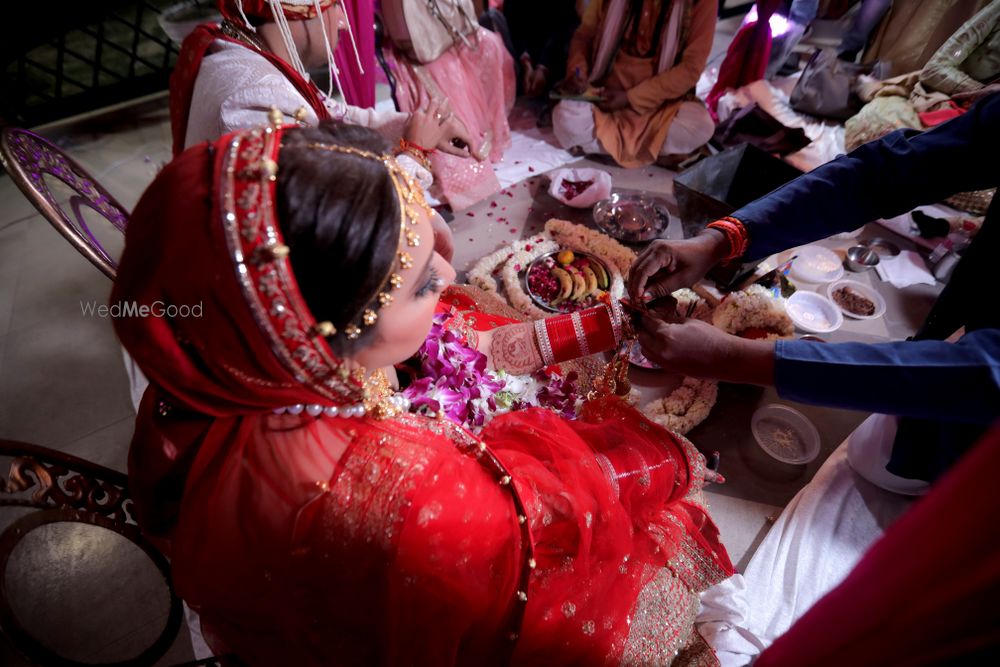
398 401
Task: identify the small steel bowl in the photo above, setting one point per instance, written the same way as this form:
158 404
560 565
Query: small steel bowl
860 258
883 247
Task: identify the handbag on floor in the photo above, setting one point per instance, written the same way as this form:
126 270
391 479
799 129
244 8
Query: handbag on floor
826 87
424 29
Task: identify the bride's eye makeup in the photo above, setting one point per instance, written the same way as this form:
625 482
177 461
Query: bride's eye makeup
433 284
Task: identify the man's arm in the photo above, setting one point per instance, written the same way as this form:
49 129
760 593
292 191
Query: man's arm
884 178
582 44
930 379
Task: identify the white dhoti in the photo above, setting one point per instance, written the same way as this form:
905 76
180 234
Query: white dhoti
573 125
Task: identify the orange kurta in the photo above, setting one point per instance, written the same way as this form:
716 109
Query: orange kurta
633 136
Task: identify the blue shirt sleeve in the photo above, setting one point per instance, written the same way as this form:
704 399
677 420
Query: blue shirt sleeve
955 382
881 179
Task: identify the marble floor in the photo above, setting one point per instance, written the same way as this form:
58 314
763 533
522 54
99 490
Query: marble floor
63 386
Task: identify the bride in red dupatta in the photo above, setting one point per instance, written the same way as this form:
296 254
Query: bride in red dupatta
350 531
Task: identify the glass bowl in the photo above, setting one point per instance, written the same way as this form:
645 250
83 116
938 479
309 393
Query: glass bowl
632 218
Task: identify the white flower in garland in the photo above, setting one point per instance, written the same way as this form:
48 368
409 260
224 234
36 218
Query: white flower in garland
753 308
689 303
481 275
685 407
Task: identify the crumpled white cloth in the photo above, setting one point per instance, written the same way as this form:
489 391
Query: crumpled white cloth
814 544
533 151
905 269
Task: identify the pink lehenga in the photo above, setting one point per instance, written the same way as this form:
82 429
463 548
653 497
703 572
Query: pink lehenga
479 83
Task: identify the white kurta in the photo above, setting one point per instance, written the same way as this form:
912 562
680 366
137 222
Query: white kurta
236 88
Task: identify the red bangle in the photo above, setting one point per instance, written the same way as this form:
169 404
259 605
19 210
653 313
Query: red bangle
736 234
575 335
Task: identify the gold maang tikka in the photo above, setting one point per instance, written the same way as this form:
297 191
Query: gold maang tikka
411 198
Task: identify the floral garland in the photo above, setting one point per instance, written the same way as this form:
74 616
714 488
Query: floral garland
691 403
688 405
753 308
685 407
516 256
578 237
455 382
481 275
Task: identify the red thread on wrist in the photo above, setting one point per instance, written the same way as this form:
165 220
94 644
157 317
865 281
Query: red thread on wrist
406 145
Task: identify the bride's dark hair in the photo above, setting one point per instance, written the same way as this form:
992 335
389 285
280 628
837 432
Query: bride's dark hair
339 214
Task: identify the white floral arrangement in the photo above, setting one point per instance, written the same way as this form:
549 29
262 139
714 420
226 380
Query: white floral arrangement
685 407
753 308
693 305
481 275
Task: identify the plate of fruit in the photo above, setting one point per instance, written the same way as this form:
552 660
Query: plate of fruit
566 281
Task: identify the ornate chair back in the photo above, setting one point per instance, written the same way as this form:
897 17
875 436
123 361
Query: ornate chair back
29 159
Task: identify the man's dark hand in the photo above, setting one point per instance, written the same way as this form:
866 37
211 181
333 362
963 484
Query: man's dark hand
614 100
667 266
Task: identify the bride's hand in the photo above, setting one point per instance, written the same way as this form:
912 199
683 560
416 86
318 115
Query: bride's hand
437 127
511 348
428 127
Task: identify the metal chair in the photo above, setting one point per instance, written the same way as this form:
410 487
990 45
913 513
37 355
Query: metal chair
28 159
61 488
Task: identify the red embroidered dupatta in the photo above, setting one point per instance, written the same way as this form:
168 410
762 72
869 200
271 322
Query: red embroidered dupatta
311 540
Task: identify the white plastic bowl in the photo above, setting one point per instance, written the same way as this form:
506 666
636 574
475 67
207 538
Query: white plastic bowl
866 291
816 264
785 434
813 312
